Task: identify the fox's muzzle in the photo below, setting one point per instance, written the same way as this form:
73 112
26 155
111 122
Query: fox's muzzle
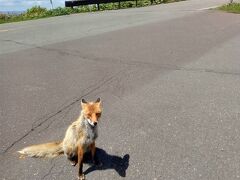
92 123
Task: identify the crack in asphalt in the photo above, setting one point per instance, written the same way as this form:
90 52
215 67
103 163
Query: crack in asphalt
61 172
57 172
209 71
199 70
17 42
131 63
50 123
49 172
104 82
63 105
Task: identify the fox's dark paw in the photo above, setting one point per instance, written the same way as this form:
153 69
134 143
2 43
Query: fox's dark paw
81 177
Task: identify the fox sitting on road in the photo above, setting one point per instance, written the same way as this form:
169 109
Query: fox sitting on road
79 138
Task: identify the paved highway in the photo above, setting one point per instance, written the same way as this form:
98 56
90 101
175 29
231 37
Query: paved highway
169 78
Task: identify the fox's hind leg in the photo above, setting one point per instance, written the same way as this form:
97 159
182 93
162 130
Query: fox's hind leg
73 158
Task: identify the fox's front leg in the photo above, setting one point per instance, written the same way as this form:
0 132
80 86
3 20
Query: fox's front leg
81 176
93 153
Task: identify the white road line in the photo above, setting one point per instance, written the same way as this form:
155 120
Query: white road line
211 7
4 30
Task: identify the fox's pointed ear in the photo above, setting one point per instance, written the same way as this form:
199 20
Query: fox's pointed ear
98 100
83 102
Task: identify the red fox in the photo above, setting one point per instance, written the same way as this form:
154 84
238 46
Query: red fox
79 138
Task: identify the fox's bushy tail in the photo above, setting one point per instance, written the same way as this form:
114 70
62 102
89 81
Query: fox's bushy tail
48 150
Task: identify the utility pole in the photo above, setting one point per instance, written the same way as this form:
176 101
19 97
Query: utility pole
51 3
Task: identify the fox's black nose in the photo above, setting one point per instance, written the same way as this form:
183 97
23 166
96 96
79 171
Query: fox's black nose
95 123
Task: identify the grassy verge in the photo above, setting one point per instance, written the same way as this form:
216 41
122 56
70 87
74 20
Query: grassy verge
233 8
38 12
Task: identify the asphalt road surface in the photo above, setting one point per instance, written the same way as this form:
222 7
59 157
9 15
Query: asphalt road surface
168 76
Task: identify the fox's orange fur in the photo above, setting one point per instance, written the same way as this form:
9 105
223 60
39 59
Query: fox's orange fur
79 138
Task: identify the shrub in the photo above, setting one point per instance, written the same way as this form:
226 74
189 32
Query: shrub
35 11
3 16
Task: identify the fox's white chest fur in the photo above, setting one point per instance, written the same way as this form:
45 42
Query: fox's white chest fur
91 134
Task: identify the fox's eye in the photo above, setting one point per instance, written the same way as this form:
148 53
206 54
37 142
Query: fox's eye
98 114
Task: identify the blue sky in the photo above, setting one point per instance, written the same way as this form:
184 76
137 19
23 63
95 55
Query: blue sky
21 5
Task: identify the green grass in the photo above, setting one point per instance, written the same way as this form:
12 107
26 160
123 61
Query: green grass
38 12
233 8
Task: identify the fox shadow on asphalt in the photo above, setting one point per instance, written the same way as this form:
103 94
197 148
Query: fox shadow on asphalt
119 164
